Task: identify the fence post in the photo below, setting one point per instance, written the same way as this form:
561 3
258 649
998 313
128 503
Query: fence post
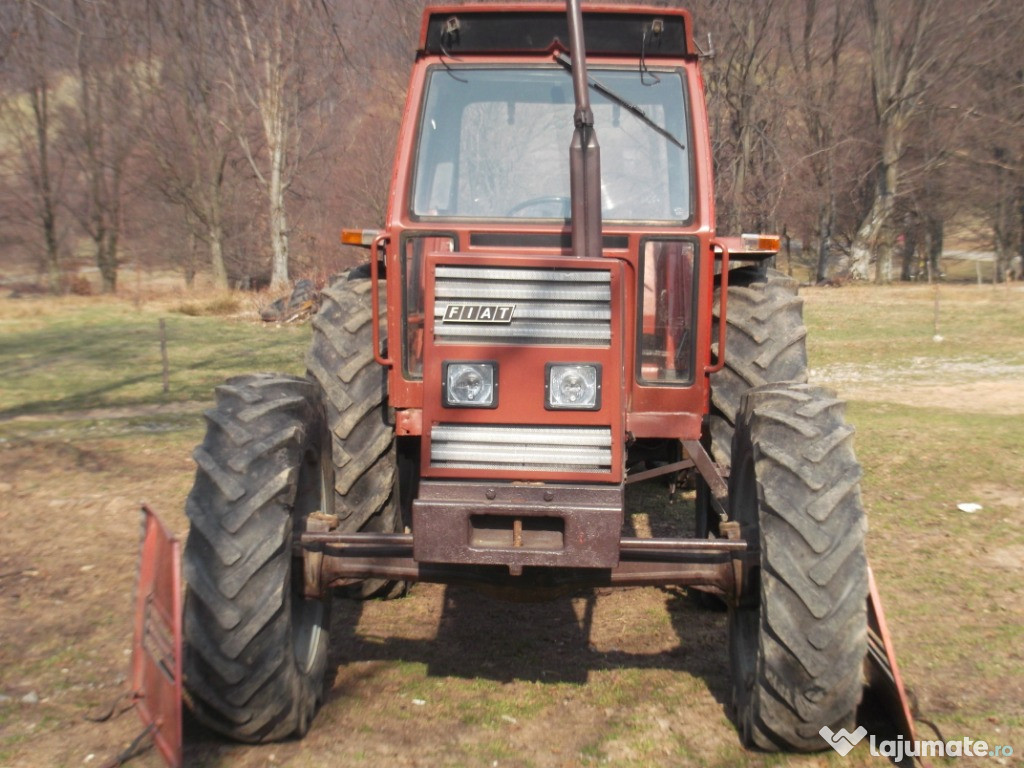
163 356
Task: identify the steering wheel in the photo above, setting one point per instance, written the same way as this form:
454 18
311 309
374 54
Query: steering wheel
560 200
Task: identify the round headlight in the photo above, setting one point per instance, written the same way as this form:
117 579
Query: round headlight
574 386
469 385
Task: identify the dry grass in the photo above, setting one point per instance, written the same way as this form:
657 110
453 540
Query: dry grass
447 677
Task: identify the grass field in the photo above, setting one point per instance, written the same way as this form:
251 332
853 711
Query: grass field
446 677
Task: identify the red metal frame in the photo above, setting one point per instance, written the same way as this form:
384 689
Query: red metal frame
378 242
723 295
883 672
156 648
521 400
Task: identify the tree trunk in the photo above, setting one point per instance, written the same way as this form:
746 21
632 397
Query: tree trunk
892 146
865 243
907 253
278 222
1005 218
192 260
47 204
1020 221
825 217
936 229
219 272
106 259
1003 240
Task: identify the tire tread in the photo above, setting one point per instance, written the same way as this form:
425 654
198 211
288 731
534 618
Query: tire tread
812 636
240 670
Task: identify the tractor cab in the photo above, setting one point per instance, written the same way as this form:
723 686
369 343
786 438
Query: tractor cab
527 352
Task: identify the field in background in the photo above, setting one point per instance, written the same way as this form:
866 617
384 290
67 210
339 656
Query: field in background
961 264
446 677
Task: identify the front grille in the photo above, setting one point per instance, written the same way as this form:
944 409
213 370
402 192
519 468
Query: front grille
552 306
542 449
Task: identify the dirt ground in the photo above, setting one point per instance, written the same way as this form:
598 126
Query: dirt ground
443 677
974 387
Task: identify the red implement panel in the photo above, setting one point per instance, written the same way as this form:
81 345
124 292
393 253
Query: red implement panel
156 648
884 680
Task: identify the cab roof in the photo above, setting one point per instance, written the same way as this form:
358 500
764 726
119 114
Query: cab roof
611 30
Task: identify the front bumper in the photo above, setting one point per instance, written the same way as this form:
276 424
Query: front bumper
517 525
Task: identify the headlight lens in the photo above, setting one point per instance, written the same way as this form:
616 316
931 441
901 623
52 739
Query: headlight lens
470 385
573 386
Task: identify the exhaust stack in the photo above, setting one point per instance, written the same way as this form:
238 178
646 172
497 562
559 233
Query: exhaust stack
584 151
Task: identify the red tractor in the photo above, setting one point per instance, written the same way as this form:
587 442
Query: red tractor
544 319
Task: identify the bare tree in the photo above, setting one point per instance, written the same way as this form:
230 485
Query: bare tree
817 62
909 48
31 55
187 131
864 129
368 137
992 154
742 89
269 47
102 122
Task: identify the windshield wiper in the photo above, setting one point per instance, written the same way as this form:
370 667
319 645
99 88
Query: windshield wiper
630 107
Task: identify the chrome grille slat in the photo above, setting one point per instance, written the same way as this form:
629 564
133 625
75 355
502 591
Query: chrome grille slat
545 449
530 291
518 454
556 307
518 274
517 467
523 332
582 311
594 436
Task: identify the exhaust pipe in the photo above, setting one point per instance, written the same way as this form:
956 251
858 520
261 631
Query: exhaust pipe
584 151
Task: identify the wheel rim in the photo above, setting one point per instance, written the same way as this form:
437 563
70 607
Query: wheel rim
307 613
745 616
307 632
744 502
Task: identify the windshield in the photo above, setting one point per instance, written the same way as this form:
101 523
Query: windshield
494 144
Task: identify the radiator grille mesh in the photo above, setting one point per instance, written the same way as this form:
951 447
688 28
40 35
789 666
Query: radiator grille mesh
552 306
543 449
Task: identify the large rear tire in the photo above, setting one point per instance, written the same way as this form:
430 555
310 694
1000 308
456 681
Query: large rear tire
764 344
798 636
363 450
255 648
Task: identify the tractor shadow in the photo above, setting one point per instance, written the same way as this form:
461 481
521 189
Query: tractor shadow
480 637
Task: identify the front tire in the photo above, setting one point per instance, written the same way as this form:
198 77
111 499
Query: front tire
798 635
363 451
255 648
